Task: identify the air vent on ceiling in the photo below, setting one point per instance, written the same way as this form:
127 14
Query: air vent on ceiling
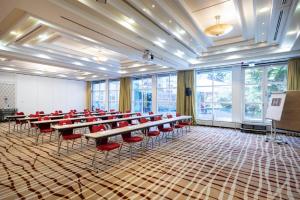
283 2
102 1
278 25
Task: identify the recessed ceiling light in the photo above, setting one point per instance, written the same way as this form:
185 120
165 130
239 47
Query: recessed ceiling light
80 77
38 72
43 37
291 32
143 69
251 64
15 33
170 21
263 33
265 9
122 72
9 69
263 23
129 20
102 68
43 56
153 6
233 57
161 40
3 59
179 53
62 75
159 44
86 73
85 59
164 67
94 76
144 9
77 63
181 31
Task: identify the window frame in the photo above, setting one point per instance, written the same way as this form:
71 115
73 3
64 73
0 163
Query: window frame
101 92
143 89
117 91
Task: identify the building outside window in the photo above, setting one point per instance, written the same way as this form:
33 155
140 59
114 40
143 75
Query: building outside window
214 94
98 95
113 94
259 84
166 93
142 94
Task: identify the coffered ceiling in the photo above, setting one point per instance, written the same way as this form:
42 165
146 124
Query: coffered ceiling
97 39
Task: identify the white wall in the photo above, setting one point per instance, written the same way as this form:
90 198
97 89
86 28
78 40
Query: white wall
36 93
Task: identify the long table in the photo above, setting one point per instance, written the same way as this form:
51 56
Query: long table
118 131
87 124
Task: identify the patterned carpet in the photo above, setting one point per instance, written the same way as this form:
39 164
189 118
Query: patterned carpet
206 163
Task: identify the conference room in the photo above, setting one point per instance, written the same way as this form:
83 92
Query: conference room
149 99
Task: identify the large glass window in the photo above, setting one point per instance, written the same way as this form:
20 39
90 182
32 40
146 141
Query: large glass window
214 95
166 93
259 84
98 95
142 94
113 94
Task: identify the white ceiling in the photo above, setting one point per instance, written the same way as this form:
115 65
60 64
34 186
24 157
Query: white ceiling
91 40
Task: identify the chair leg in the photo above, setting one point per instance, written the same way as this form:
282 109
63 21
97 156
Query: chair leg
105 159
59 144
130 148
73 143
50 136
81 143
67 146
37 138
152 142
94 157
120 148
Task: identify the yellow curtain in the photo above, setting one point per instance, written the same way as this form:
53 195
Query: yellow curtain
125 94
88 95
185 105
294 74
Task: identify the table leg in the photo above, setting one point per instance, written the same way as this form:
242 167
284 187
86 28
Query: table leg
8 125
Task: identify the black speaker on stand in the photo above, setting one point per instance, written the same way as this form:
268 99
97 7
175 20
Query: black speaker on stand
188 92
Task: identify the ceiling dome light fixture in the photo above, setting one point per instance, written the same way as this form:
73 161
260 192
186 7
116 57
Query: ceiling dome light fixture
218 29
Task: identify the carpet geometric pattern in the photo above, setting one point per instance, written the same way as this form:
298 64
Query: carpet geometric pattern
206 163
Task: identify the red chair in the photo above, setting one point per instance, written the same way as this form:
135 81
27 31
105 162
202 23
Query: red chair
126 115
128 138
101 113
42 112
44 128
68 135
138 114
18 122
91 119
111 117
112 110
60 111
177 126
164 130
103 145
187 124
150 134
151 113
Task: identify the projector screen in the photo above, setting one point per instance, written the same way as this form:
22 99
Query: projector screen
290 117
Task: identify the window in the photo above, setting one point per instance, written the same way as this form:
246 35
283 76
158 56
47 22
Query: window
142 94
214 95
98 95
259 84
166 93
113 94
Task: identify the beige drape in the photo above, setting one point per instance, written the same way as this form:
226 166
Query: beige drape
125 94
185 105
88 95
294 74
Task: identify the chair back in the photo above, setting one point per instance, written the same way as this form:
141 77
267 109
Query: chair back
169 116
123 124
151 113
64 122
42 112
111 117
138 114
66 116
112 110
60 111
20 113
98 128
126 115
157 118
101 113
143 120
178 114
91 119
